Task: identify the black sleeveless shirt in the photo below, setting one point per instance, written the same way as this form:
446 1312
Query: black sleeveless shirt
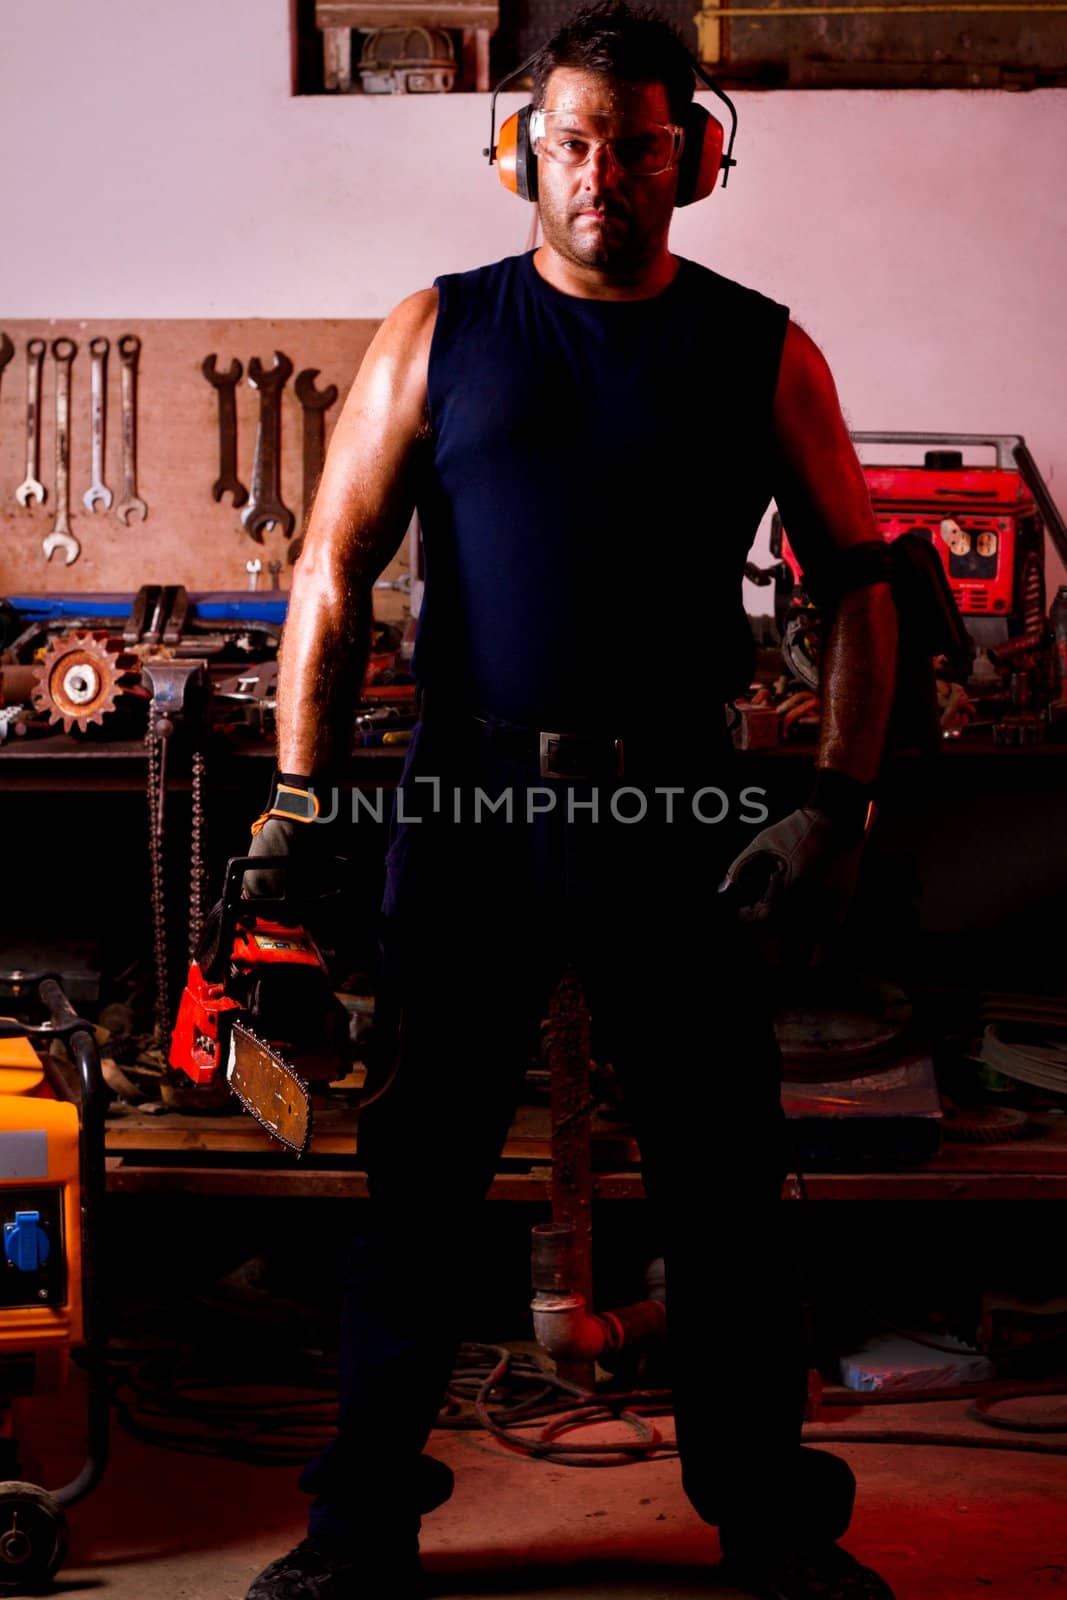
599 469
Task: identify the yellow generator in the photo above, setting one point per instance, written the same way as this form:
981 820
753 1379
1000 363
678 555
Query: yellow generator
51 1190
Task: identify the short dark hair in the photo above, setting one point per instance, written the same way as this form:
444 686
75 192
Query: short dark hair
633 43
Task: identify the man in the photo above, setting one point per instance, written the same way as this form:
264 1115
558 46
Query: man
576 425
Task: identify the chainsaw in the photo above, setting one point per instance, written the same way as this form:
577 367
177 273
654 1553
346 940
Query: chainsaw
259 1007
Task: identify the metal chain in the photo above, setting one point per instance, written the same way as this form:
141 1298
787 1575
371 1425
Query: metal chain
196 853
156 761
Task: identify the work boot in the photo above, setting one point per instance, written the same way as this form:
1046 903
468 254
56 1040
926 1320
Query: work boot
818 1572
318 1569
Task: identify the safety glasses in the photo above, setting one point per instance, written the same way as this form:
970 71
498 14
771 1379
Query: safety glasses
570 137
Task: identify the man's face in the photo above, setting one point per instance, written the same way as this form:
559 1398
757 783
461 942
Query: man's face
595 215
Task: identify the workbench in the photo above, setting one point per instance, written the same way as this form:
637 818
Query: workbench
177 1153
968 872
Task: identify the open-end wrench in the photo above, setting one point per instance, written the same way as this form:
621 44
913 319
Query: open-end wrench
131 502
61 538
315 404
265 507
226 383
32 488
7 350
98 489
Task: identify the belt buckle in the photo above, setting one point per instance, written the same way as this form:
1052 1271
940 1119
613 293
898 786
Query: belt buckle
551 744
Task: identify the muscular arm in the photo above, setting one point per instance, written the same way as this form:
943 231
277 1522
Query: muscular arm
823 499
361 511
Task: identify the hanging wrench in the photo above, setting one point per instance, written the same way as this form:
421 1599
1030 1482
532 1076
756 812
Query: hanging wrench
63 353
129 350
98 489
265 507
7 350
315 406
32 488
226 383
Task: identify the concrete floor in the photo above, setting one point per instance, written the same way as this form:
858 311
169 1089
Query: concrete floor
938 1523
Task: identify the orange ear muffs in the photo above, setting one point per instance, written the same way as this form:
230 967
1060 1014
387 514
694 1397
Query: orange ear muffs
516 163
701 155
698 168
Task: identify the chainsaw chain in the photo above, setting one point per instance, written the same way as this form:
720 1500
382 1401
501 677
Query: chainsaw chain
156 741
156 819
196 854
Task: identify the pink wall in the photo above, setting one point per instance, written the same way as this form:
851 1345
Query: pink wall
158 167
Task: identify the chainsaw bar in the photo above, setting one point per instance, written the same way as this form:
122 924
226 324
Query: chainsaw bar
267 1086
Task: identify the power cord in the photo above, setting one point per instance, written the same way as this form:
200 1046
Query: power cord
163 1399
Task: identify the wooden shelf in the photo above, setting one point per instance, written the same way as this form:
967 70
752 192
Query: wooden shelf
225 1155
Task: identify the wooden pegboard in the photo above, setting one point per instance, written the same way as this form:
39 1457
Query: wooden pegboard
186 538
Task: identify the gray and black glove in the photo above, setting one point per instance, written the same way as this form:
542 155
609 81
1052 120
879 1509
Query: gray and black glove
286 829
794 883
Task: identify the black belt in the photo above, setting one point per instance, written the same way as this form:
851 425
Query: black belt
576 756
580 757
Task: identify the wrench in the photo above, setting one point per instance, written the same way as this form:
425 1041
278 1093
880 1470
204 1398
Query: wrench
98 489
129 350
226 383
253 568
315 404
63 353
265 507
7 350
33 488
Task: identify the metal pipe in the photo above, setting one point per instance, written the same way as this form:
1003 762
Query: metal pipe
563 1326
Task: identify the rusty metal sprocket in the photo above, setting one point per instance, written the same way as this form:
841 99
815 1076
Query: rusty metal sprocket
82 677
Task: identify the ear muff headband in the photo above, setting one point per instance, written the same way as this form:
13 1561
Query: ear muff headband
702 151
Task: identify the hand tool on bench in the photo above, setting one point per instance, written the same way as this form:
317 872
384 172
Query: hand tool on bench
225 384
61 538
265 508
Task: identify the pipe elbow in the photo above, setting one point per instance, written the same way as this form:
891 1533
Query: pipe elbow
565 1329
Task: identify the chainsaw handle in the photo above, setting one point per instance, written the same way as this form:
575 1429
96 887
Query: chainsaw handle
239 866
234 907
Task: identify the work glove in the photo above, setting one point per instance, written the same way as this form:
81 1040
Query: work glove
792 886
287 829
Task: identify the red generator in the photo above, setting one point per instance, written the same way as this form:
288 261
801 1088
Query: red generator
987 524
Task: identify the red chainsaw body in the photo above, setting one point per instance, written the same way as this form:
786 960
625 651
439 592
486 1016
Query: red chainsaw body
208 1010
205 1013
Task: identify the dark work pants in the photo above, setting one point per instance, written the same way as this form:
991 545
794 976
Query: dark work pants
479 918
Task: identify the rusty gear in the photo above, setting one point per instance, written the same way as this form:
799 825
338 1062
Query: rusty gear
83 676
